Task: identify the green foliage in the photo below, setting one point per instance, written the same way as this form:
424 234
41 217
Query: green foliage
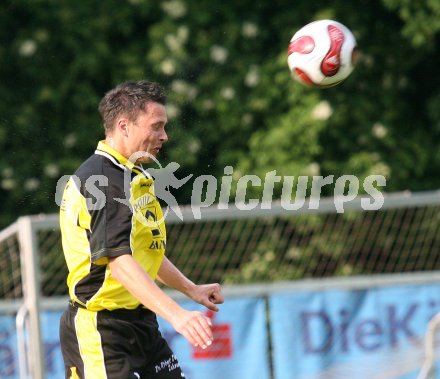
422 20
232 101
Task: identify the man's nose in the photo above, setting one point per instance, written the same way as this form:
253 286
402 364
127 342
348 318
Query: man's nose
164 137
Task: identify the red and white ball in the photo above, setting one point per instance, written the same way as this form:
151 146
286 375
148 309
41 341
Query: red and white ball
322 54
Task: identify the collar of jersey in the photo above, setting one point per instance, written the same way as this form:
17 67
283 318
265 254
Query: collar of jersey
102 146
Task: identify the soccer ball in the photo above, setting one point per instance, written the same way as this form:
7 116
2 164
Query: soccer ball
322 54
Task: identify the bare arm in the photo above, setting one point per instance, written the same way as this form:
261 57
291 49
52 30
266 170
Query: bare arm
194 326
206 294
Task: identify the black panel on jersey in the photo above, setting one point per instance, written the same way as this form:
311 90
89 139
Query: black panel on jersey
86 288
110 224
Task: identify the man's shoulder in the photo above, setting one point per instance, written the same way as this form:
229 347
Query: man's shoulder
91 166
99 165
100 172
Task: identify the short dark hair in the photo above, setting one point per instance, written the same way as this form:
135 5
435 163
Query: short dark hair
129 98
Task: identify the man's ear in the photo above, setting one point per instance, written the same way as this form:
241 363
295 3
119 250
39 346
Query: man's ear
122 126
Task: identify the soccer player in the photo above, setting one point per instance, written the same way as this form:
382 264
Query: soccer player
114 240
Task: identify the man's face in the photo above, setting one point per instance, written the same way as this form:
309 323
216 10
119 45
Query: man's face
147 134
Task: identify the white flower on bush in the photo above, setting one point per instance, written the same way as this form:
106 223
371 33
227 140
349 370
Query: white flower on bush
174 8
31 184
173 42
379 130
27 48
194 146
322 111
208 104
313 169
70 140
228 93
252 77
172 111
184 88
219 54
249 29
177 40
183 33
8 184
168 67
52 170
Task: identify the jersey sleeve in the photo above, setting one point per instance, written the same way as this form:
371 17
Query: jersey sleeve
110 224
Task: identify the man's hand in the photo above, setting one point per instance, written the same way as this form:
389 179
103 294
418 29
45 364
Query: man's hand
208 295
194 326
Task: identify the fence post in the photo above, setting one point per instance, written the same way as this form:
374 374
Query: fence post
30 271
428 367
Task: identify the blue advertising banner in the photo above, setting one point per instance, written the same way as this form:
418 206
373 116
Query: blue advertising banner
9 351
363 334
239 351
240 348
8 348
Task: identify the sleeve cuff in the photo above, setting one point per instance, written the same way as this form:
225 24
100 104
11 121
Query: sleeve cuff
110 253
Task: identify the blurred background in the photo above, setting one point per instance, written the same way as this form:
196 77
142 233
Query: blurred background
318 295
231 98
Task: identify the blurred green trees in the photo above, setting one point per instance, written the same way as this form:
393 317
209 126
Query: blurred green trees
231 99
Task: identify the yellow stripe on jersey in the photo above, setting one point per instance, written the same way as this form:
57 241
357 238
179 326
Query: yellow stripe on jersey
149 221
89 341
73 373
74 222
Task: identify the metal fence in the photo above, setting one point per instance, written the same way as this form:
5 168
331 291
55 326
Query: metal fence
236 246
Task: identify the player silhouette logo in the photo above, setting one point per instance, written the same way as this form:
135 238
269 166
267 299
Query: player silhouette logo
164 178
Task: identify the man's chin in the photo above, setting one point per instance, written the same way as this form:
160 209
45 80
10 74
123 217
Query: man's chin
146 159
142 157
141 161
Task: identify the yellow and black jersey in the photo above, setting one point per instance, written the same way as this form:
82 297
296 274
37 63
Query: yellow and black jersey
109 208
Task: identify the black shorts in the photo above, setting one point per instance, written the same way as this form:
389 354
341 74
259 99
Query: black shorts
120 344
